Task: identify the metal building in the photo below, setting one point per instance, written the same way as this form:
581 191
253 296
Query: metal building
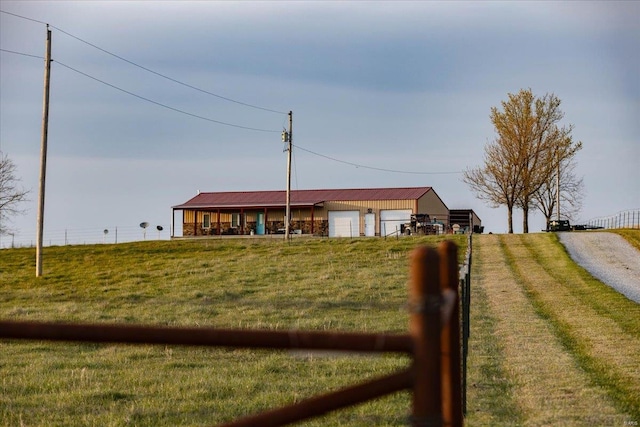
330 212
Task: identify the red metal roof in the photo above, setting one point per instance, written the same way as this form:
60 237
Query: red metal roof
247 199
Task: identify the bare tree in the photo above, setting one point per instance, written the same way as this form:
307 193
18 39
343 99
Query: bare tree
571 193
525 153
11 195
497 182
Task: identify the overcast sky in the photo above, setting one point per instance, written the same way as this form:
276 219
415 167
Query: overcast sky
399 86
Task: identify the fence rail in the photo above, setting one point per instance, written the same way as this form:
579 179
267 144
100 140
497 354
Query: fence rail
434 341
623 219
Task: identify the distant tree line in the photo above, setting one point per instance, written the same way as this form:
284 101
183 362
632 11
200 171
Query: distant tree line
530 155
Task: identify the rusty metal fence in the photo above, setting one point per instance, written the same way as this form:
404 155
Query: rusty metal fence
435 342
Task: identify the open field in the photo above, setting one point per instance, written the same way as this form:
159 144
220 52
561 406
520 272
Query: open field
307 284
549 344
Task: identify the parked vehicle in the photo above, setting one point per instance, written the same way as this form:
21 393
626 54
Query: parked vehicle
565 225
419 224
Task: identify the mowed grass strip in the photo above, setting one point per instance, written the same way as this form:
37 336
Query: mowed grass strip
490 390
321 284
549 386
599 326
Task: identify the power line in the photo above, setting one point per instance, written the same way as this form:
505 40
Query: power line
148 69
164 105
142 97
21 53
206 92
23 17
165 76
372 167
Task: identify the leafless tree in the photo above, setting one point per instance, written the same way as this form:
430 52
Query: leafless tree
525 153
11 194
497 182
571 193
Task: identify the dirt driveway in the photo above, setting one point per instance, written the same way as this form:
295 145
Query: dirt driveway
608 257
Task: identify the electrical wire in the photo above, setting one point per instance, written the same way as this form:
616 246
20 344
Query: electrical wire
372 167
148 69
142 97
244 127
165 76
209 93
23 17
164 105
20 53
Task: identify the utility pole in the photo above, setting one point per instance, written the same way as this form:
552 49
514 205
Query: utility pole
288 137
43 153
558 185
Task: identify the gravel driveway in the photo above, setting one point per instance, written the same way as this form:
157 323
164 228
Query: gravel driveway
608 257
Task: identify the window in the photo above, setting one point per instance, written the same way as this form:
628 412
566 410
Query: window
235 220
206 221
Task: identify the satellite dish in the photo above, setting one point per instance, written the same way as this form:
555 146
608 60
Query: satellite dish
106 231
144 224
159 228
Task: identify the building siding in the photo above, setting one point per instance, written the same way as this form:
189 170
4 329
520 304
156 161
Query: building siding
309 220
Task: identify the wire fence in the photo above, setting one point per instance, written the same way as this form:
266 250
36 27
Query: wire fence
623 219
87 236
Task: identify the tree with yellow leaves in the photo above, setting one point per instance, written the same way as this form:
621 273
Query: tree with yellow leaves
525 155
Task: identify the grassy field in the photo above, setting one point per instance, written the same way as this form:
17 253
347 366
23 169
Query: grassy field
307 284
549 344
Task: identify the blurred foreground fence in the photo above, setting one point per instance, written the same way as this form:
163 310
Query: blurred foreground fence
436 342
623 219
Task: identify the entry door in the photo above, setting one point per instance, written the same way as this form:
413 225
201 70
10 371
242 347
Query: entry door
370 225
260 223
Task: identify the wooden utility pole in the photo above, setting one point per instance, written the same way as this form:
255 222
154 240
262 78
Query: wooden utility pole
558 185
289 139
43 153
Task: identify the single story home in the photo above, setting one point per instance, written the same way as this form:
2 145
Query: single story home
333 213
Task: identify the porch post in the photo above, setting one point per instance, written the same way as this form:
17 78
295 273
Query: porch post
173 222
219 229
312 218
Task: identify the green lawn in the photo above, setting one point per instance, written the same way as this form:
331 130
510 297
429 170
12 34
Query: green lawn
549 345
319 284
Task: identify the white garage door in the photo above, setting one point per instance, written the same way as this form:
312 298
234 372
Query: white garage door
344 223
390 220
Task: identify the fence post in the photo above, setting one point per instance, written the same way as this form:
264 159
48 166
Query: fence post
451 340
465 298
424 328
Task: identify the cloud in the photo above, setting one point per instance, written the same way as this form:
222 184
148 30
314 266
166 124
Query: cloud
397 85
